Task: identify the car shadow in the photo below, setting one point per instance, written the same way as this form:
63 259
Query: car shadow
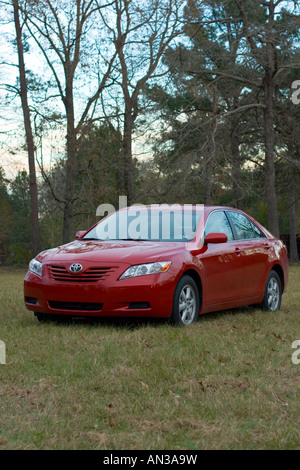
133 323
213 316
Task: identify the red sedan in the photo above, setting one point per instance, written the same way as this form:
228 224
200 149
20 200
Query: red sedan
160 261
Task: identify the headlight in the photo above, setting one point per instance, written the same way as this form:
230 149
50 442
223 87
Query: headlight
35 266
144 269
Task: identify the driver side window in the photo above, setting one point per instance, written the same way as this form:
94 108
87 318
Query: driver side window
218 222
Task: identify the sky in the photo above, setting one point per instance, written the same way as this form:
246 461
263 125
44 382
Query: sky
12 135
12 156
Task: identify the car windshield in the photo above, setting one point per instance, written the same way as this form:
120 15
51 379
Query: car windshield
134 223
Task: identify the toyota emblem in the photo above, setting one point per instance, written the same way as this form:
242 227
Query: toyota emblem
75 268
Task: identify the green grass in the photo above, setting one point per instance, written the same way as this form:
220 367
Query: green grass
226 382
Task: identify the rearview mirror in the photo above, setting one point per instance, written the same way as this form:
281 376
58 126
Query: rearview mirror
215 238
80 234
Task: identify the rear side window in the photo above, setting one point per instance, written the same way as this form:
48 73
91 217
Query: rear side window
218 222
244 227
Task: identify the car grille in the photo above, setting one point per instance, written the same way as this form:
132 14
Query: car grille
60 273
87 306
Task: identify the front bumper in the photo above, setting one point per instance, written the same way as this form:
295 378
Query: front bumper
143 296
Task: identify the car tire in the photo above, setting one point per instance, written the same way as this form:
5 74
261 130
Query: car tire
273 293
48 318
42 317
186 302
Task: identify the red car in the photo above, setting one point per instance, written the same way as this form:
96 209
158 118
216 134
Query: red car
160 261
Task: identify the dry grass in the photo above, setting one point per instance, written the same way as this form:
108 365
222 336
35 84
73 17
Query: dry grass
226 382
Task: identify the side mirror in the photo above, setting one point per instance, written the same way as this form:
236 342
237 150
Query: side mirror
80 234
215 238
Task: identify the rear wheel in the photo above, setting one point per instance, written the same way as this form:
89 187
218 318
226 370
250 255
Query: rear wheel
185 302
273 292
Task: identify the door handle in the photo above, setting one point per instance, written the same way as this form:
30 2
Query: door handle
238 251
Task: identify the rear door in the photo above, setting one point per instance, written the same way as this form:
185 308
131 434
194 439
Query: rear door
254 252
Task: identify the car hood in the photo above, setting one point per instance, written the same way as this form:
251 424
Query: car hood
130 252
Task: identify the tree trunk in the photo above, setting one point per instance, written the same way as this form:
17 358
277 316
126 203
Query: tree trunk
71 162
236 159
270 69
211 148
29 137
127 156
208 176
270 188
294 256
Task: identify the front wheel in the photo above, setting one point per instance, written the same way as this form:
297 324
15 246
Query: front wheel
42 317
273 292
186 302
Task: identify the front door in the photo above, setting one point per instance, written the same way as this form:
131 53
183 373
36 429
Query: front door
223 264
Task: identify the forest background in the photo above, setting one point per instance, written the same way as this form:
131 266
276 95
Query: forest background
165 101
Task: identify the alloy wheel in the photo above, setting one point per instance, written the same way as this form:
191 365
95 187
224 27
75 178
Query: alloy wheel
273 293
187 304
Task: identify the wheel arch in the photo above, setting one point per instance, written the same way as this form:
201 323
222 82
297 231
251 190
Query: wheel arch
278 269
195 276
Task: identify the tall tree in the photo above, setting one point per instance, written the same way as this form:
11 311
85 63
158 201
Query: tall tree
28 131
60 29
141 33
288 149
242 49
265 29
209 82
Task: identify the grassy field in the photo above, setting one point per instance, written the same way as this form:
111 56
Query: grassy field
226 382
